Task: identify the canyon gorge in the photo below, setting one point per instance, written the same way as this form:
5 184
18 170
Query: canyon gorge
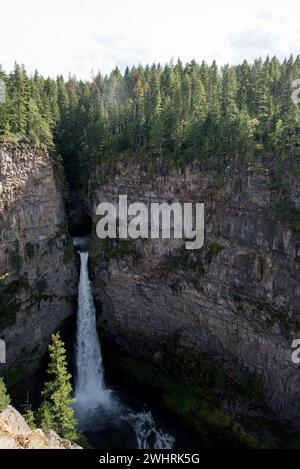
222 318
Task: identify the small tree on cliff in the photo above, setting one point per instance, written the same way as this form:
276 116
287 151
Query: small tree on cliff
4 397
55 412
30 418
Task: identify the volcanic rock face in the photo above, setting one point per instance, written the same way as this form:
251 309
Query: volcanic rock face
237 300
35 257
16 434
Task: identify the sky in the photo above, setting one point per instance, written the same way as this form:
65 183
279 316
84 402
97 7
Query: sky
82 37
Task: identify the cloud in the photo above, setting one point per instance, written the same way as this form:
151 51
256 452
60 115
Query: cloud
121 50
265 15
255 43
62 36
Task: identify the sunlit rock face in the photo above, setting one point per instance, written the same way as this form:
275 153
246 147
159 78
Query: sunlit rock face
236 301
16 434
35 257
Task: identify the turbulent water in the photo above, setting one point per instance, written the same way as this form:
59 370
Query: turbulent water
96 406
147 435
90 390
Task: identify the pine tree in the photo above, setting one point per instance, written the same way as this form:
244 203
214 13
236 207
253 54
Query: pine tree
4 115
56 412
20 94
286 136
214 92
246 128
155 113
199 111
229 111
30 419
4 397
172 112
38 130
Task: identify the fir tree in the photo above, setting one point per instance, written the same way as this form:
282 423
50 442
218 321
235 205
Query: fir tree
55 412
30 419
194 110
4 397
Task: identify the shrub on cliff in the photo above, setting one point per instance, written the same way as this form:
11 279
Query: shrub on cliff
56 412
4 397
30 418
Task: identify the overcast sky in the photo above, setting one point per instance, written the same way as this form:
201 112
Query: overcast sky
62 36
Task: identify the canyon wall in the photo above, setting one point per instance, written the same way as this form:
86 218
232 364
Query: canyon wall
235 301
36 257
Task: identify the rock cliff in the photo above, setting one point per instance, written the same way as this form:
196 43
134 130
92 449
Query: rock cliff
236 301
35 256
16 434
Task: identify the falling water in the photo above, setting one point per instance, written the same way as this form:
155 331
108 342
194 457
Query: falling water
95 404
90 390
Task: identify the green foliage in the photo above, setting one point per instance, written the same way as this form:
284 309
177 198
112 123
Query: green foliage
9 305
82 441
219 182
221 377
215 248
254 389
14 375
106 249
208 420
288 213
68 254
4 397
30 419
172 113
280 315
29 111
16 286
55 412
186 402
181 259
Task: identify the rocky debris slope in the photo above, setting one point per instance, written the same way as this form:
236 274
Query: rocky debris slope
16 434
35 255
236 301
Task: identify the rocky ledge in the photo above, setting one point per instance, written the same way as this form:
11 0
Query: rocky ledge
16 434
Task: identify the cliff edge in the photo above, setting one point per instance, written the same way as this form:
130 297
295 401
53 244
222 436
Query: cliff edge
16 434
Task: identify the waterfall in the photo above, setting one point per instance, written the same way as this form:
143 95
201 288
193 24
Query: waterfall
95 404
90 390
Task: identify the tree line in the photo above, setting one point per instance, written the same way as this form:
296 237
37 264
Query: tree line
175 112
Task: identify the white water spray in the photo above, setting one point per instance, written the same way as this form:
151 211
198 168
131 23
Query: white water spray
90 390
94 402
146 432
